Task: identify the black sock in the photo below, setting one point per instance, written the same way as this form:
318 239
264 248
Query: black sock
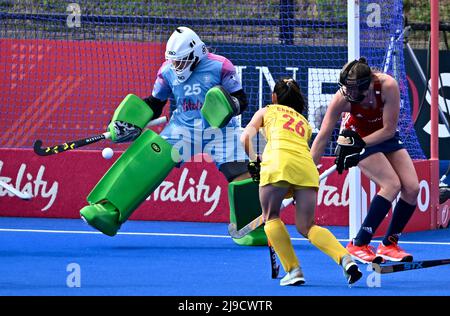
377 212
402 214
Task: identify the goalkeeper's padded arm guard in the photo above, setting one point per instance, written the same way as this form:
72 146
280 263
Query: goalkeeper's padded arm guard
131 116
349 147
156 105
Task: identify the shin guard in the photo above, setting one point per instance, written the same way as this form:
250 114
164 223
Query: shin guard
129 181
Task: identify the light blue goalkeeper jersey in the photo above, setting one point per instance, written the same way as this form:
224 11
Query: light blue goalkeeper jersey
187 130
189 95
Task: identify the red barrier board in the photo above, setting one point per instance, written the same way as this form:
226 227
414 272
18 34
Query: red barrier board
195 192
60 184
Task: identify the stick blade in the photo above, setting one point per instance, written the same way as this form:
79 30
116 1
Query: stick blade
233 232
231 229
37 143
37 148
237 234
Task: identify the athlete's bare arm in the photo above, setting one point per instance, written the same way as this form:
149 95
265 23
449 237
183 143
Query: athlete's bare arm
337 105
251 130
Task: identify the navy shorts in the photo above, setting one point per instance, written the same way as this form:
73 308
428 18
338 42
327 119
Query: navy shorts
388 146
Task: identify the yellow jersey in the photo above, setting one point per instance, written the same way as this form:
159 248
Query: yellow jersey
287 156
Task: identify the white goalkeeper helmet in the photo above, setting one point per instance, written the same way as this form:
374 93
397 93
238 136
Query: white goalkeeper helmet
185 50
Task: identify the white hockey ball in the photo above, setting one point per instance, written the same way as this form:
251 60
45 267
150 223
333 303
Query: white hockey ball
107 153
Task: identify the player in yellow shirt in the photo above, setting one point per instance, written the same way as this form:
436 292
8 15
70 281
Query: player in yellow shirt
286 170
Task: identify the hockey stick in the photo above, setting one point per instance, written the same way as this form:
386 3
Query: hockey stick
47 151
23 196
273 261
407 266
254 224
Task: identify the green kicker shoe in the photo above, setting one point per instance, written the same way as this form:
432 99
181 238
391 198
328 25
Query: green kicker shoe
103 217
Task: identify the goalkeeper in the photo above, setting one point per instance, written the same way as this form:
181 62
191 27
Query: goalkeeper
286 170
207 92
370 140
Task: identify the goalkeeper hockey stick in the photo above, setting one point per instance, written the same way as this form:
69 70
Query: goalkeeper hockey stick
407 266
23 196
47 151
254 224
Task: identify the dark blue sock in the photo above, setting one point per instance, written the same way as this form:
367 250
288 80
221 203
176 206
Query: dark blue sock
402 214
377 212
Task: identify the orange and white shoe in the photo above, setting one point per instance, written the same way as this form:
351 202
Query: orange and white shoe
364 254
393 253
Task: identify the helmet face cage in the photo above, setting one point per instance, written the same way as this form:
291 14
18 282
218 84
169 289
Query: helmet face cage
353 89
180 64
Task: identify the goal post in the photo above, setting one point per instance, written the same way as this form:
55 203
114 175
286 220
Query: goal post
353 38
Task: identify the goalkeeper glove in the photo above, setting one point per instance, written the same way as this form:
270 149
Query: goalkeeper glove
254 168
348 150
123 132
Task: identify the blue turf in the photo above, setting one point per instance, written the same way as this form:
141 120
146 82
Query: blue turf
34 263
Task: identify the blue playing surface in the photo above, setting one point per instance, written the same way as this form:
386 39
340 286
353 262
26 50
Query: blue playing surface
189 259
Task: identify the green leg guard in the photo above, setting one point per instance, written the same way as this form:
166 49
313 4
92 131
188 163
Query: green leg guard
244 202
129 181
